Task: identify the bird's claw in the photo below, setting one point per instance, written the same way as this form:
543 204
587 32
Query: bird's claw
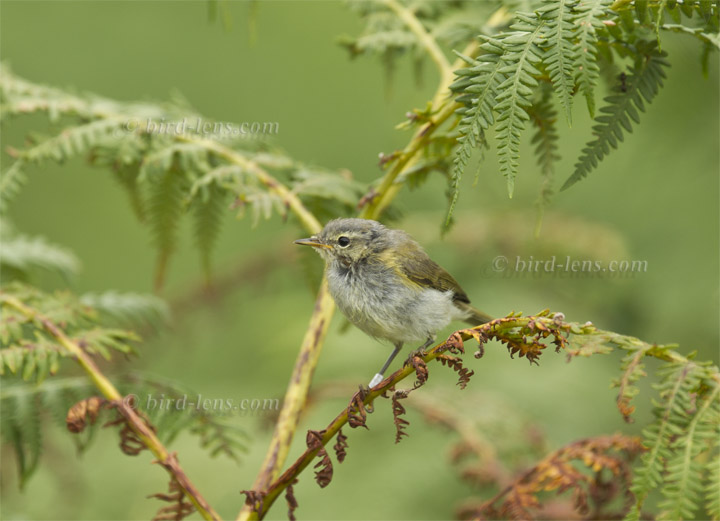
362 394
420 352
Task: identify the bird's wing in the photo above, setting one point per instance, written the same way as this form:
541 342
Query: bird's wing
416 265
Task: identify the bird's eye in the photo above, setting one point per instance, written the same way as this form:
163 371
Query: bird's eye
343 242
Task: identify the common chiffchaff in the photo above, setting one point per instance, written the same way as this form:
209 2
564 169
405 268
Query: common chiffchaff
386 285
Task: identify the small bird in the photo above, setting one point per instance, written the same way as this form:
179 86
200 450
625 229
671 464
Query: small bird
386 285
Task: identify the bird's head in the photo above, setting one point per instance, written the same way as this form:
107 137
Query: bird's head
349 241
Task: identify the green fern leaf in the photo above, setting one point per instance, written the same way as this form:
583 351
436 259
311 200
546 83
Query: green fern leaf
521 56
71 142
11 182
478 87
657 437
560 54
165 208
23 254
684 472
21 428
129 309
208 215
127 176
712 490
643 82
588 20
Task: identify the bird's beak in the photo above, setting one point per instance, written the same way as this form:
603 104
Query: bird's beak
312 241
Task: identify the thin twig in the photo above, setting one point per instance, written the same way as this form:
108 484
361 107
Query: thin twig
137 424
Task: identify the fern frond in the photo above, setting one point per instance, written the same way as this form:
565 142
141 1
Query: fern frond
698 32
643 82
32 360
208 215
130 309
127 176
28 350
478 87
657 439
11 182
221 437
165 208
71 142
559 53
326 194
515 93
712 490
20 426
588 20
24 254
679 440
683 482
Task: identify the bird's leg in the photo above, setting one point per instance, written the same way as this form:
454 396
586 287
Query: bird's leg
379 375
420 351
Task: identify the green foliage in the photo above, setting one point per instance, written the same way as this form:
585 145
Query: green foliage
521 55
588 21
681 442
560 55
479 87
643 82
561 42
129 309
29 351
167 168
32 349
21 255
28 409
386 36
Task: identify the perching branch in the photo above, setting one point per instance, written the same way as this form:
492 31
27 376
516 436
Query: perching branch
139 425
504 329
521 335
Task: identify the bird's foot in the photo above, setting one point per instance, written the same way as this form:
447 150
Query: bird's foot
419 352
362 394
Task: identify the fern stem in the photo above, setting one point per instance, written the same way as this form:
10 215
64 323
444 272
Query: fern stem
427 41
109 391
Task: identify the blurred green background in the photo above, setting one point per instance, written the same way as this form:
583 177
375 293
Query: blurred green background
655 199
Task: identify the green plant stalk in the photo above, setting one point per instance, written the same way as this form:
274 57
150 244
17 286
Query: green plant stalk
108 390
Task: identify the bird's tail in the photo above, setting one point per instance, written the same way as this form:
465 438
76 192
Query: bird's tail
475 316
